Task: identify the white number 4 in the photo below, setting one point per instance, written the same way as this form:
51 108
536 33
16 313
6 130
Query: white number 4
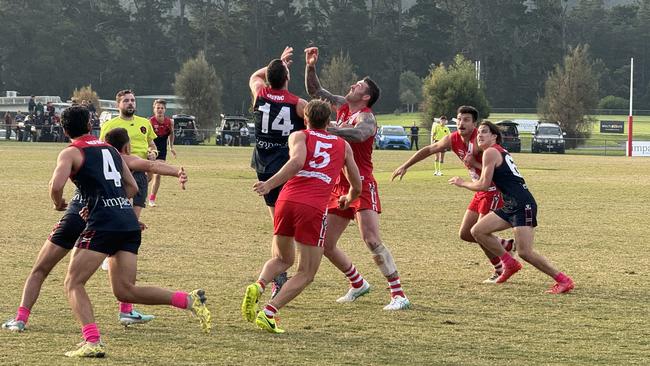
282 121
110 171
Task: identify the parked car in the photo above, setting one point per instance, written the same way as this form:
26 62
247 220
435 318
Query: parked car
185 131
392 137
548 137
228 131
510 134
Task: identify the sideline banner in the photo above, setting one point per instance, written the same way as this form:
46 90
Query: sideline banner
526 125
640 148
612 126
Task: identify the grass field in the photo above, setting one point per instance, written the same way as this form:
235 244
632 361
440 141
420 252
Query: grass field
216 236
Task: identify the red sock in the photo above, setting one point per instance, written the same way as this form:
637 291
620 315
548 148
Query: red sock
507 260
125 307
262 284
270 310
395 287
496 262
179 300
561 277
90 332
355 278
22 315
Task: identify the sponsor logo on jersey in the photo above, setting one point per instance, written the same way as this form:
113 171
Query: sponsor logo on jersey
275 97
120 202
143 130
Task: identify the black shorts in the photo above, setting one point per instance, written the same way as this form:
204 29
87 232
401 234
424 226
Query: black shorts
161 146
110 242
66 232
518 214
141 197
272 196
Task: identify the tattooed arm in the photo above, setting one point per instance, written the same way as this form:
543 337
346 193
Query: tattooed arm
363 130
312 84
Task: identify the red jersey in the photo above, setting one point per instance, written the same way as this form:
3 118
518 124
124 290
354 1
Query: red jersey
314 182
162 129
462 150
362 150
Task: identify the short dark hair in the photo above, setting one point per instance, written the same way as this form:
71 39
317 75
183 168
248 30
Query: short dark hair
160 101
373 91
117 137
276 74
122 93
494 129
443 117
75 121
318 113
468 109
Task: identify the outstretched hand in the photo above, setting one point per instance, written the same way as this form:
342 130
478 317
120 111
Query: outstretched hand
261 188
400 171
182 178
311 55
286 55
457 181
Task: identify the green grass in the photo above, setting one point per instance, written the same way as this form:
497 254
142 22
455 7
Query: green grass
216 235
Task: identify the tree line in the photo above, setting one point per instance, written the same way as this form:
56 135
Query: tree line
52 47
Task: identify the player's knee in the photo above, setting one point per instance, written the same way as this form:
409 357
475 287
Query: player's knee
466 235
525 254
476 232
372 240
71 283
123 292
40 271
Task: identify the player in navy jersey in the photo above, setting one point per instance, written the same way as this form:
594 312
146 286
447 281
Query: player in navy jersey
67 230
519 211
112 229
277 114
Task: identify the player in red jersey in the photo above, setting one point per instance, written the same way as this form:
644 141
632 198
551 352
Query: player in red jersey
163 126
315 162
277 113
519 211
463 143
357 125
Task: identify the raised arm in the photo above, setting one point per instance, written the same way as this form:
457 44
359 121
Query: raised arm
422 154
491 158
364 129
258 80
297 156
312 84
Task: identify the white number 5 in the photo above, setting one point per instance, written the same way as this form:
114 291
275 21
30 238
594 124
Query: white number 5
110 171
320 146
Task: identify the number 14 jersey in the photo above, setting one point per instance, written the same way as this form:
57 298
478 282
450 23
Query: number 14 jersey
276 117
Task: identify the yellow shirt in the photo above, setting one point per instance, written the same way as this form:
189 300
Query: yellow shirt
439 131
140 133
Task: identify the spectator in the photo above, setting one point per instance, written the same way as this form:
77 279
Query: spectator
9 122
92 109
244 135
31 106
415 130
39 109
49 108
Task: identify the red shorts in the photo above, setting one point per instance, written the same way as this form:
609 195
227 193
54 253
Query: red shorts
369 200
304 223
484 202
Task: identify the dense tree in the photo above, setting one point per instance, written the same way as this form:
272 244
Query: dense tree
200 88
447 88
571 93
410 90
338 74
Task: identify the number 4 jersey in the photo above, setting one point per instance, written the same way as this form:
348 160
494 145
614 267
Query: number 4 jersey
276 117
99 179
323 163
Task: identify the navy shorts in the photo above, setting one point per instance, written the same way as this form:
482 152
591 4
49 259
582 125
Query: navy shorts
518 213
161 146
66 232
110 242
142 181
272 196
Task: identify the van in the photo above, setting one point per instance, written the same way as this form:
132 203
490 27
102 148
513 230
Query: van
510 134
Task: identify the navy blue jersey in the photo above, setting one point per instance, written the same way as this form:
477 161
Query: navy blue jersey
99 180
276 117
509 180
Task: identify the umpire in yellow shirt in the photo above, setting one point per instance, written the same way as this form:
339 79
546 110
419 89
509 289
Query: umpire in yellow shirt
141 135
438 131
